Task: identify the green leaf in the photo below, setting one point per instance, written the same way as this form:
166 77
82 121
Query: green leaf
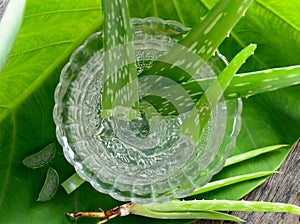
222 205
242 85
150 211
50 32
53 29
228 181
203 40
251 154
9 27
120 84
274 25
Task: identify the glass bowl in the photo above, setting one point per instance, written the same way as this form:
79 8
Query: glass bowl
144 160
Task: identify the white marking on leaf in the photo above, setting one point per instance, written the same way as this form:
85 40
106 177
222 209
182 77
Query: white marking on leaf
292 76
270 79
232 95
211 26
242 84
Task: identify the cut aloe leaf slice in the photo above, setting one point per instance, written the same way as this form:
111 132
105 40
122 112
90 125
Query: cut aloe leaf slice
50 185
72 183
40 158
182 61
197 119
120 84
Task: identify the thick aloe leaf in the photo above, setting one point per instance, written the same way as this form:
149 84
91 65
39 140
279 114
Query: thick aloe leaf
10 23
53 29
120 84
203 40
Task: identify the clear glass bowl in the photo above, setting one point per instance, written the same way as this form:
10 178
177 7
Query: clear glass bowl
144 160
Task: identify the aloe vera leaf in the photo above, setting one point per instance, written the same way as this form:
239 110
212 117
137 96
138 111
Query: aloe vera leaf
50 185
40 158
249 84
72 183
223 205
147 211
242 85
197 119
9 27
120 85
231 180
251 154
252 83
203 39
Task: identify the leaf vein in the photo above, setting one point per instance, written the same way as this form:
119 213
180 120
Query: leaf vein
178 12
63 11
276 14
42 47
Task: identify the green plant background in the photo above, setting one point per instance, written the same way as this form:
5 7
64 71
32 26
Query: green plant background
51 31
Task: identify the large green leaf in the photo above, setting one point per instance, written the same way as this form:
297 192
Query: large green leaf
52 29
50 32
